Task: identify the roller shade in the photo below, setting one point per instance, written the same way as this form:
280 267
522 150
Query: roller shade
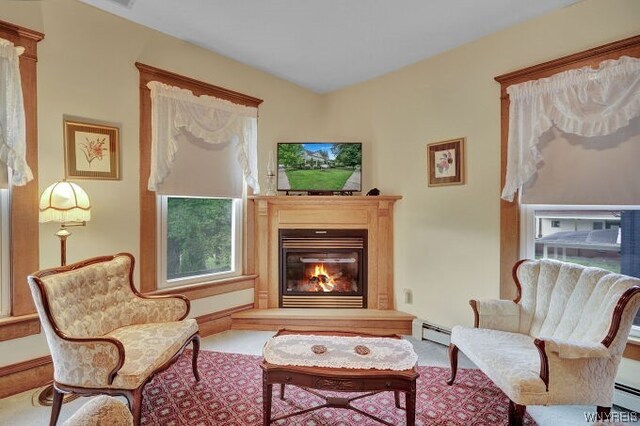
590 104
581 170
202 169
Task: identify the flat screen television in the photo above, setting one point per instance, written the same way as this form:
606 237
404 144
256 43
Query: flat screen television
320 166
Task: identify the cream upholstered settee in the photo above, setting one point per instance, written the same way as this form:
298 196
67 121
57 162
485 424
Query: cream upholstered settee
104 336
560 341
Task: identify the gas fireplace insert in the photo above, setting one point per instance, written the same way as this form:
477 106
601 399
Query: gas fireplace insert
323 268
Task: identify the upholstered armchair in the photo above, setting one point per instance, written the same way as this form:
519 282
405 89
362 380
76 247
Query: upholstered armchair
559 342
104 336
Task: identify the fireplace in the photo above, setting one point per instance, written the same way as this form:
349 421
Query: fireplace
324 268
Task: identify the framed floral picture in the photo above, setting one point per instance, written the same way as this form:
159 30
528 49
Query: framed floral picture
91 150
445 162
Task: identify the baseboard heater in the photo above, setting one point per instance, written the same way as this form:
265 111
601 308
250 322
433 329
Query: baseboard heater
424 330
626 397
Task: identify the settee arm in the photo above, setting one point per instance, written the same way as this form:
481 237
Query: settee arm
503 315
573 349
158 309
566 350
86 362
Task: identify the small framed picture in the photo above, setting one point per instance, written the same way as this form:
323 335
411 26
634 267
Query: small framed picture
91 150
445 162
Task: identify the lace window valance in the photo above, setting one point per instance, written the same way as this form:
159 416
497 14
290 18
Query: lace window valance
586 102
13 142
176 111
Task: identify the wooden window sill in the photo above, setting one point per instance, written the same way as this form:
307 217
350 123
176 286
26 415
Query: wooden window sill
213 288
632 351
22 326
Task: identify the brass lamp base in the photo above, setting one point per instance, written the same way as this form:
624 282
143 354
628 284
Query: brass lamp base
45 397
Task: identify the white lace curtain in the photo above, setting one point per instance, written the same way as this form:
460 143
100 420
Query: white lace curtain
586 102
214 121
13 142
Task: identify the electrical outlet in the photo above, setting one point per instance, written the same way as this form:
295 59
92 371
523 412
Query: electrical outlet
408 296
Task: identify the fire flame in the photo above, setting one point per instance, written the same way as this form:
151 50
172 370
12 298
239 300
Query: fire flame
320 272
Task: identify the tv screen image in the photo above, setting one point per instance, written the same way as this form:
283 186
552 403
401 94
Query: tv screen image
320 166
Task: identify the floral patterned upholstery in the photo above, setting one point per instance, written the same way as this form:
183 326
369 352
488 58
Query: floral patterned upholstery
102 411
100 300
149 346
571 308
102 333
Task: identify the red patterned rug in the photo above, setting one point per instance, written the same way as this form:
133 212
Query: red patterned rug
230 394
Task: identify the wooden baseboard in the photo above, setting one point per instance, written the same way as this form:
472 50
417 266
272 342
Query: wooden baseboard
217 322
30 374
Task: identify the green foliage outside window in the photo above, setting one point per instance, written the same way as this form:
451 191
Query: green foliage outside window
199 236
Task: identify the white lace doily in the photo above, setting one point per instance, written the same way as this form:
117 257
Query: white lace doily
384 353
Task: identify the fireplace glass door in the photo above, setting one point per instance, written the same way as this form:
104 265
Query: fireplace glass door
314 272
322 271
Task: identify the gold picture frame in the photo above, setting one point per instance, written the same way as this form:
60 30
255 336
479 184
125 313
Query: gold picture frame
445 163
91 150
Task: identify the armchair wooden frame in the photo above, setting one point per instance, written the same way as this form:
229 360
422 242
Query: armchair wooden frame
133 396
516 411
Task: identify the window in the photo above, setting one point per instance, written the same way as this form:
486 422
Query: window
200 239
615 247
217 132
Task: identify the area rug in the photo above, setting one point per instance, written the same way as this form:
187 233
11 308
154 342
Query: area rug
230 394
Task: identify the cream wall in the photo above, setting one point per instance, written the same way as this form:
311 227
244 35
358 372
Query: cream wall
447 238
86 69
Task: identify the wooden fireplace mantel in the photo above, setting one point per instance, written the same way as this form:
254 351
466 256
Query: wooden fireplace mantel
375 214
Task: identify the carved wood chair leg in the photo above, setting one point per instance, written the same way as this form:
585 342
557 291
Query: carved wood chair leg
453 359
56 406
136 410
281 390
396 395
194 361
516 414
604 413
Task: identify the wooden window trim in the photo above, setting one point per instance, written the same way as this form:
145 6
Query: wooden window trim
632 350
23 216
213 288
510 212
148 237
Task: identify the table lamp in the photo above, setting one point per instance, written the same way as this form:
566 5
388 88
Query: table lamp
68 204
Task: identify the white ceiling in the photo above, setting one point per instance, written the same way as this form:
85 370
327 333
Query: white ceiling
325 45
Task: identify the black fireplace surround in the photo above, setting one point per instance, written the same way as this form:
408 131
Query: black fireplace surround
323 268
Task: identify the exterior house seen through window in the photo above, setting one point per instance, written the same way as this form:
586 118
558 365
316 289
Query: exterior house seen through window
599 237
